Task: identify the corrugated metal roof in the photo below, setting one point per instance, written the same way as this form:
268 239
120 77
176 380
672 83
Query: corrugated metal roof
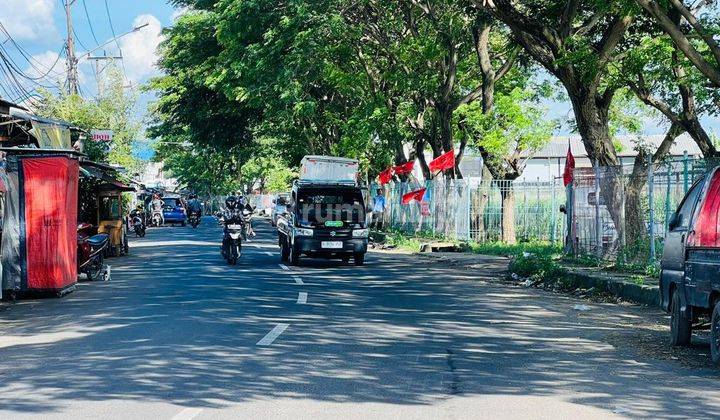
557 147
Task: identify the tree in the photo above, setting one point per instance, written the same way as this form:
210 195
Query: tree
512 129
113 109
693 34
576 41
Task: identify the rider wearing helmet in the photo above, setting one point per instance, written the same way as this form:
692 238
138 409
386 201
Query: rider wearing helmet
244 205
194 205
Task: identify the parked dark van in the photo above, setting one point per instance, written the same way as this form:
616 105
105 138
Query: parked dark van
690 267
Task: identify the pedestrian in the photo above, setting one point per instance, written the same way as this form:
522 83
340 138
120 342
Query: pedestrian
157 208
378 211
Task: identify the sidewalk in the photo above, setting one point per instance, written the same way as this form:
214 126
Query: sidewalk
624 286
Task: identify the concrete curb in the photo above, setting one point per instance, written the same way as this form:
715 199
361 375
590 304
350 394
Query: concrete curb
637 293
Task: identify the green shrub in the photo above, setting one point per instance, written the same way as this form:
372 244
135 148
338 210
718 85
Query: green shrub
537 266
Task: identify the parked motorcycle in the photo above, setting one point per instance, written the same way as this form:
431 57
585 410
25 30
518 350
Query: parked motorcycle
194 219
91 247
232 243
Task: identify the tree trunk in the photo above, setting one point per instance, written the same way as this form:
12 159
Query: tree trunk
701 137
420 155
508 214
635 227
480 202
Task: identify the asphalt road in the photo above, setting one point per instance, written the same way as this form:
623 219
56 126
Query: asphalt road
177 334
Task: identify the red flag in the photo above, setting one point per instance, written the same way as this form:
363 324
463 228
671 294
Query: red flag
413 195
443 162
569 167
385 176
405 168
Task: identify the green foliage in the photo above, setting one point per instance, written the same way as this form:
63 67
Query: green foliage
515 124
541 266
113 109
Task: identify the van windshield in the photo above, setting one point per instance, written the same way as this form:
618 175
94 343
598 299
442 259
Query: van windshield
317 207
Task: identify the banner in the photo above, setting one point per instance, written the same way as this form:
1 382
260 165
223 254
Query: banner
51 136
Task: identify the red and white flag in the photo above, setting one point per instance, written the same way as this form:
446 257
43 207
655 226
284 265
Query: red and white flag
569 167
405 168
416 195
385 176
443 162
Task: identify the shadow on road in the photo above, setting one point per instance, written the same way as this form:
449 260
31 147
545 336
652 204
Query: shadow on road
176 324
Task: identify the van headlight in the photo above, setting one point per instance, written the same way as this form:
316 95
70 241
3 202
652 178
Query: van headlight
302 232
360 233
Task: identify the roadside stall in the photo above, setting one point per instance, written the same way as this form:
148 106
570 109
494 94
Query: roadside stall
109 207
40 176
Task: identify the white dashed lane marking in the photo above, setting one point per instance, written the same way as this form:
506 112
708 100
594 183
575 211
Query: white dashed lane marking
187 413
272 335
298 280
284 267
302 297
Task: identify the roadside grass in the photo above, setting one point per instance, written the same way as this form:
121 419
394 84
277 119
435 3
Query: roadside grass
520 248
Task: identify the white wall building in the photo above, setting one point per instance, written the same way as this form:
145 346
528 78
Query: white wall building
154 176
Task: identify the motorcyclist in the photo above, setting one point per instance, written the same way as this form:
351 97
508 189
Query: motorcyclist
157 208
245 206
194 206
233 212
138 211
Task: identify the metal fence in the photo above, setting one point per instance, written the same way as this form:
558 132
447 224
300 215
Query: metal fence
612 212
473 211
618 214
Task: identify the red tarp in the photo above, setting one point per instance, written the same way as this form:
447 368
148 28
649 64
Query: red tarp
50 187
706 225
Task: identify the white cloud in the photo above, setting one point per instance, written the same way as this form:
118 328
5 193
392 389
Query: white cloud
139 48
29 19
178 12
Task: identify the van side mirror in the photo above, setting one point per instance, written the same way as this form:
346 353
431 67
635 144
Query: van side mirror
675 221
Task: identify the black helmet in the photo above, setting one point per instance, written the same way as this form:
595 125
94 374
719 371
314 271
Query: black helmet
193 196
231 202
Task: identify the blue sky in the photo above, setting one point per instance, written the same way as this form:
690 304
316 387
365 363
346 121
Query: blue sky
38 26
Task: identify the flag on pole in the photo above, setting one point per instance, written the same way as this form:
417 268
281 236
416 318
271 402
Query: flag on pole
416 195
405 168
385 176
569 167
443 162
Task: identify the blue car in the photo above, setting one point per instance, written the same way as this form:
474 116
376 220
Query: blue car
174 211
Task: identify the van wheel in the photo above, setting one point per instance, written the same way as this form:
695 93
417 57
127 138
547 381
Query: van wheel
359 258
680 325
284 249
715 334
294 254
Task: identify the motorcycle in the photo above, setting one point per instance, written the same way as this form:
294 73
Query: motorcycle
156 219
194 219
90 254
247 219
232 242
138 224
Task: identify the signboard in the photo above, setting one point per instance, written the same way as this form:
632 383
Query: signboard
101 135
425 208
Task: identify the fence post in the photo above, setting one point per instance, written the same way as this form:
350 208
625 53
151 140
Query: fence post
685 171
651 204
598 223
553 215
667 198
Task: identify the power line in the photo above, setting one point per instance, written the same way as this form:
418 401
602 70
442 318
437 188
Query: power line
117 42
90 25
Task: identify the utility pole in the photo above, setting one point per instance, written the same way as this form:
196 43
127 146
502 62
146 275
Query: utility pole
72 75
99 70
